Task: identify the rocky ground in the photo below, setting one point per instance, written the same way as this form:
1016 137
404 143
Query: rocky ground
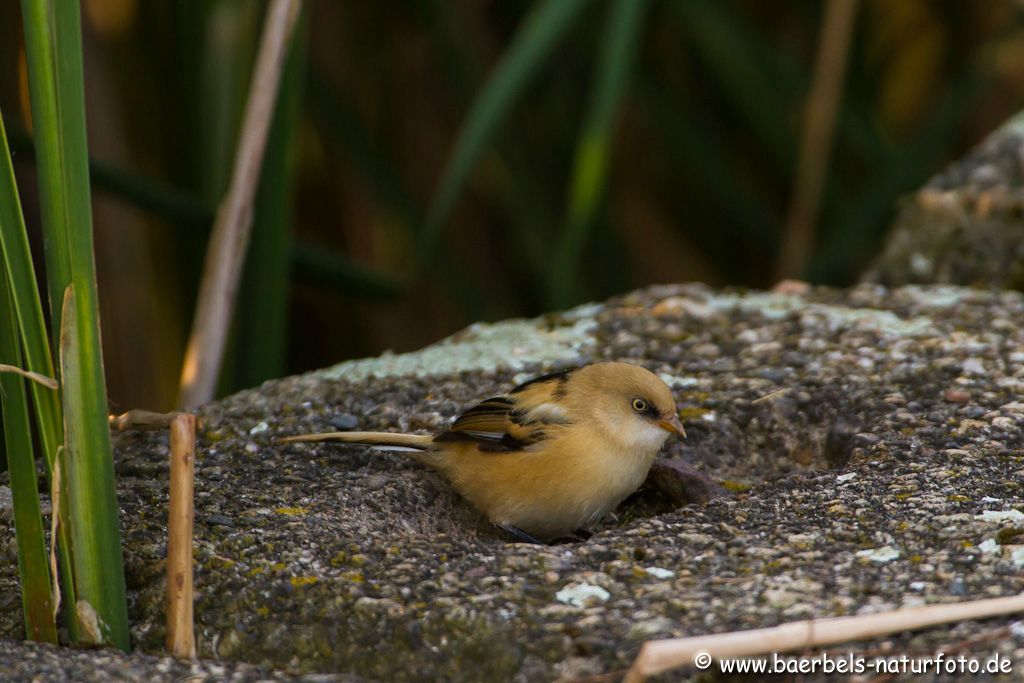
869 441
966 225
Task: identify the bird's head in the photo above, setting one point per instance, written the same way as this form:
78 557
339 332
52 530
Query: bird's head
632 404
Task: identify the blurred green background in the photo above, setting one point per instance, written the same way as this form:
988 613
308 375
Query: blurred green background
652 141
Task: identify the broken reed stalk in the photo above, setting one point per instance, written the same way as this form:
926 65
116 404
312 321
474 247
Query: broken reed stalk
55 510
42 380
816 143
656 656
230 237
180 632
141 419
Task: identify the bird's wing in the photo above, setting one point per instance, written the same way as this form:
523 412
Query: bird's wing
514 421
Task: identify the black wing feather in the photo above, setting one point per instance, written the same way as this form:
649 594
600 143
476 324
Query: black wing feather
487 423
561 376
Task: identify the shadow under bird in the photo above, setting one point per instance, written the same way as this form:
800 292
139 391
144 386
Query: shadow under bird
551 457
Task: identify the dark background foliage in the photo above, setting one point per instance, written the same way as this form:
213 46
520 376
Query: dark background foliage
700 164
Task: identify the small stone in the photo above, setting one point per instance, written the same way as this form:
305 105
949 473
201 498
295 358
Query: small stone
974 412
344 421
957 395
259 428
973 366
800 609
219 520
988 546
709 351
579 668
1001 516
681 306
747 336
911 601
776 375
517 562
971 426
879 555
792 287
229 643
802 540
371 606
659 573
765 348
582 595
648 628
780 598
1003 422
682 483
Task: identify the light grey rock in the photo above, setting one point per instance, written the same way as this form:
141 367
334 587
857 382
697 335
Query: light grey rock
339 560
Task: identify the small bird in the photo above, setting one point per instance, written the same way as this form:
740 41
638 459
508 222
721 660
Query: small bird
554 455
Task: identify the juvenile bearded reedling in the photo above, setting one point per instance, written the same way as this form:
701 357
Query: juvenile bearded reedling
552 456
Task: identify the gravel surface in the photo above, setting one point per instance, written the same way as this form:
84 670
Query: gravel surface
869 440
966 225
48 664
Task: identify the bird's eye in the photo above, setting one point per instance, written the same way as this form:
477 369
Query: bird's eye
639 405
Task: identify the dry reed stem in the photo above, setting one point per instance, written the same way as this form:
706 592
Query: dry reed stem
772 395
656 656
54 524
180 633
816 143
230 237
43 380
141 419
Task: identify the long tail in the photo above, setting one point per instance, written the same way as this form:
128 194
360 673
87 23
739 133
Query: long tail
383 440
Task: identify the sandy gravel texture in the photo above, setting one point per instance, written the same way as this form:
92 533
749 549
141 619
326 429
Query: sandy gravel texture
870 441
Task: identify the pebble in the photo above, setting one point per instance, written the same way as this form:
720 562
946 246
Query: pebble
344 421
779 598
1001 516
1004 422
973 366
218 520
648 628
660 573
582 595
957 395
879 555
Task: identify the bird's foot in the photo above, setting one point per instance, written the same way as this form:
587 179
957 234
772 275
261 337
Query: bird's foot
519 534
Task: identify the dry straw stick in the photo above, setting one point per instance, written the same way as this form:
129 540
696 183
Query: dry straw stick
657 656
230 237
45 381
55 503
141 419
816 145
180 634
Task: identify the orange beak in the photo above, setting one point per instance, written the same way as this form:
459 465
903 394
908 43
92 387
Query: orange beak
672 424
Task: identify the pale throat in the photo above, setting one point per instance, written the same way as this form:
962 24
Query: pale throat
633 434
